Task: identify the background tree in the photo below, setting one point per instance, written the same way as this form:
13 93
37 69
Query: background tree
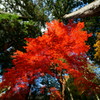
26 8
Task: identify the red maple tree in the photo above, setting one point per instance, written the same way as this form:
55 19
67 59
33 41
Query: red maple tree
60 47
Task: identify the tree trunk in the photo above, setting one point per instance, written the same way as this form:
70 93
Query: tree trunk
97 97
71 96
63 89
92 9
63 81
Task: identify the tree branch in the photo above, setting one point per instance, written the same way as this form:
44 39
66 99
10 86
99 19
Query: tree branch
24 18
92 9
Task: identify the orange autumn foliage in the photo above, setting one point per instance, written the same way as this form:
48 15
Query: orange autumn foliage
97 49
45 53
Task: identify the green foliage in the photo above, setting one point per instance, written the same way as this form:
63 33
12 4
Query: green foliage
58 8
12 34
26 8
13 31
92 24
